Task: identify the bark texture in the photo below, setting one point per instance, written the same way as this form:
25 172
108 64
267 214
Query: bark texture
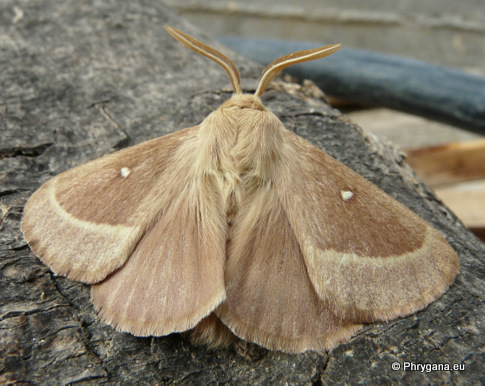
79 79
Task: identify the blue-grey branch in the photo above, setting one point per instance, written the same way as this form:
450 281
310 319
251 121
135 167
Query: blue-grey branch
436 92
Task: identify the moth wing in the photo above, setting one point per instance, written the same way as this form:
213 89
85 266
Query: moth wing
365 253
175 276
85 222
270 299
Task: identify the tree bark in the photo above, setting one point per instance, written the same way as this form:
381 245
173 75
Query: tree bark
81 79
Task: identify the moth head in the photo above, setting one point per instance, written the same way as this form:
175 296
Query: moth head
269 72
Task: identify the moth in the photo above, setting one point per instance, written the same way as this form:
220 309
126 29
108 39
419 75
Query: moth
237 226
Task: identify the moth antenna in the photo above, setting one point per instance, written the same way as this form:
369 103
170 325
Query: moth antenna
209 52
296 57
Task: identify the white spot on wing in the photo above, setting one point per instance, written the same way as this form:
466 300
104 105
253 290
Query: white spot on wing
125 172
346 194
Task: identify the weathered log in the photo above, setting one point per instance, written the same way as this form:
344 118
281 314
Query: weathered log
81 79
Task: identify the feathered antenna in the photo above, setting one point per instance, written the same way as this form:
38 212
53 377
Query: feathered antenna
211 53
288 60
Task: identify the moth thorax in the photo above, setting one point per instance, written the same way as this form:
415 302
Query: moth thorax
244 101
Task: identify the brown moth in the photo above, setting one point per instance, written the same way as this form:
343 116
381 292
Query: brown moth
237 226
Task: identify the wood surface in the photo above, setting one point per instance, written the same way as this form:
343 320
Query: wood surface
81 79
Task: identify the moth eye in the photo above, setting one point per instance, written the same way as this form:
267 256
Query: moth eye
125 172
346 194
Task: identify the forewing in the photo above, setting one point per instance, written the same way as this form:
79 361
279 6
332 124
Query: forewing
270 298
175 276
365 253
85 222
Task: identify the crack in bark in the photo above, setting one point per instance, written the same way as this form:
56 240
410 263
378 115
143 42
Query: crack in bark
24 151
9 192
16 314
